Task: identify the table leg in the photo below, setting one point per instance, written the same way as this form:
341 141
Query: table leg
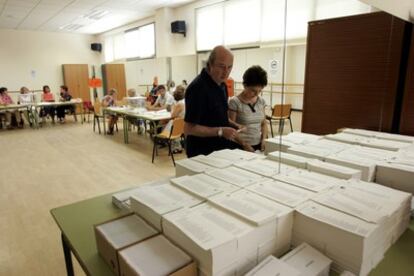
103 119
125 126
68 257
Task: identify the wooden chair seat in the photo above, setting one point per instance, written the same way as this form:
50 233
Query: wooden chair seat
280 113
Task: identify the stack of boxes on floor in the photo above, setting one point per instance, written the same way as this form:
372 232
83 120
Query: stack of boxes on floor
231 209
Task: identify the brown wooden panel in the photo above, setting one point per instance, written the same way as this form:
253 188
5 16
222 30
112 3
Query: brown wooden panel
352 70
407 114
114 77
75 77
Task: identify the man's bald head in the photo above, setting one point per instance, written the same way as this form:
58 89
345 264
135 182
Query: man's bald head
219 64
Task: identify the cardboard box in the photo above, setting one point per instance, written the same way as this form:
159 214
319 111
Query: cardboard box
151 202
308 260
114 235
155 256
273 266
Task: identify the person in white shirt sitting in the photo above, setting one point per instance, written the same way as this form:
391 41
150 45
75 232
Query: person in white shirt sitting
25 97
164 100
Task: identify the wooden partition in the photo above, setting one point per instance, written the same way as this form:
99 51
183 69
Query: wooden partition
352 72
114 77
407 114
76 77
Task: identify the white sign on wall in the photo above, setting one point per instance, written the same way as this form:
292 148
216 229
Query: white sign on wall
273 67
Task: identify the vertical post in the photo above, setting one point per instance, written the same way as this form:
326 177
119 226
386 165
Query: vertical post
68 257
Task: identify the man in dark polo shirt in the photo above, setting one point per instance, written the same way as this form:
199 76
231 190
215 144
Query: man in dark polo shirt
206 120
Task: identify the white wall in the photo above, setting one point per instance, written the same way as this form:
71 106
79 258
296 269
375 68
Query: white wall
34 59
183 68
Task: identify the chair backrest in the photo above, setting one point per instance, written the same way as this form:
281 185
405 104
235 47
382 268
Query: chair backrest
177 128
97 108
281 110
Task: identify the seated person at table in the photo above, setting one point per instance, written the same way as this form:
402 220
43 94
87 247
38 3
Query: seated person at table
47 96
107 101
5 99
177 111
64 97
164 99
247 110
25 97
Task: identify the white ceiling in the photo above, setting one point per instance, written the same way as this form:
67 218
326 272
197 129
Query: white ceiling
77 16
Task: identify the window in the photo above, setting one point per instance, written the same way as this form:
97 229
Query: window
209 21
135 43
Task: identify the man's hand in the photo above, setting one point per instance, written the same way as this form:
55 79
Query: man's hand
229 133
247 147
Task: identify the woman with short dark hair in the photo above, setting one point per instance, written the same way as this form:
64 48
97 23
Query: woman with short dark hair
64 97
247 110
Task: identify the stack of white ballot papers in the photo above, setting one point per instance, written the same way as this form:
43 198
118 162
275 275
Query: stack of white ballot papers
319 149
204 185
151 202
351 243
334 170
265 167
289 159
273 266
122 199
380 135
275 219
397 172
221 243
308 260
237 176
282 192
236 155
190 167
292 139
312 181
212 161
350 159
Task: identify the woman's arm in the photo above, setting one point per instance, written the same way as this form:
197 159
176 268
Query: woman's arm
264 134
176 110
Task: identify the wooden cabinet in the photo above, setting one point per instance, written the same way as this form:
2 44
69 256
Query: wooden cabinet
114 77
76 78
352 75
407 113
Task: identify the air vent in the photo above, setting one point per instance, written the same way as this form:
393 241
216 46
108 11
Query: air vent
96 14
71 27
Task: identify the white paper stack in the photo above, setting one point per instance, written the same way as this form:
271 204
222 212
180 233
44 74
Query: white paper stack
373 142
380 135
190 167
318 149
372 207
203 185
154 256
287 141
275 219
347 138
334 170
282 192
273 266
401 201
312 181
265 167
351 243
289 159
237 176
355 161
218 241
212 161
151 202
236 155
308 260
397 173
122 199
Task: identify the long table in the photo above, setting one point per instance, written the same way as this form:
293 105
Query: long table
74 102
127 114
76 222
